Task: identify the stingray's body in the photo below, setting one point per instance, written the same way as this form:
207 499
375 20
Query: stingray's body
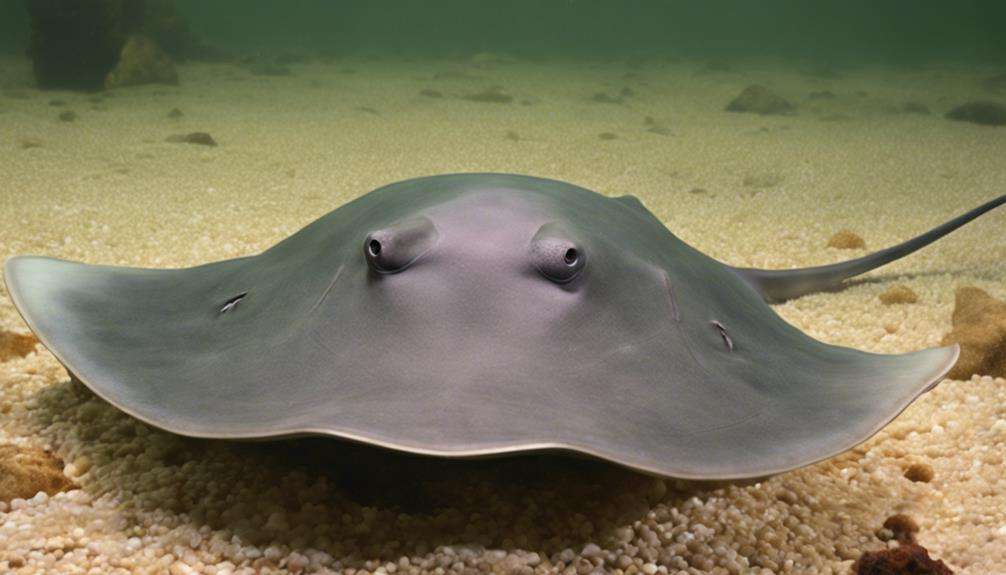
478 314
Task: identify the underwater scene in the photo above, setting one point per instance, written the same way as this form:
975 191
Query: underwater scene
506 287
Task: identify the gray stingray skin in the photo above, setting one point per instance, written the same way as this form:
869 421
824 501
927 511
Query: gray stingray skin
469 334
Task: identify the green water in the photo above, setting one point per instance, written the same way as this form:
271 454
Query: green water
847 32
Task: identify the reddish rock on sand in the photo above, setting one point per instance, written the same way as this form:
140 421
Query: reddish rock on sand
906 559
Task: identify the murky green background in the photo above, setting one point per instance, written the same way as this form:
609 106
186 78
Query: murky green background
845 32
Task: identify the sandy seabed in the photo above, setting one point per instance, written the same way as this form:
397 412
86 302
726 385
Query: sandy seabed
749 190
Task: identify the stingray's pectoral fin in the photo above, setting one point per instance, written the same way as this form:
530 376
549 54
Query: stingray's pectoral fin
783 400
781 285
121 329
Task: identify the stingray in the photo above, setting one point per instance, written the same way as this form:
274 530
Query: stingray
483 314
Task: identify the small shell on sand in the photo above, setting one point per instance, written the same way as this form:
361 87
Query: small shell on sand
25 471
898 294
979 326
846 240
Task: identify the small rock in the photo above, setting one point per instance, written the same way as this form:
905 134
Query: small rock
655 127
68 116
14 345
607 136
142 61
846 240
908 558
757 99
430 93
201 138
512 136
898 294
985 113
175 113
903 527
979 327
28 143
605 98
492 94
25 471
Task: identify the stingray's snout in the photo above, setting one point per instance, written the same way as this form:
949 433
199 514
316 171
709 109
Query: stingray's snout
392 249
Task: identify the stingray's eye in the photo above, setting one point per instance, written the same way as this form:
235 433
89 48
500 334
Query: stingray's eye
556 255
396 247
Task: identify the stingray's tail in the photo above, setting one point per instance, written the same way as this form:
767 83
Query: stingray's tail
781 285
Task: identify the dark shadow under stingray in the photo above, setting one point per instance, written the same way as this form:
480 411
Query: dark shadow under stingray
428 502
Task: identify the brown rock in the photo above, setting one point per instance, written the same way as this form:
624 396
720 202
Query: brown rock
898 294
979 326
28 143
986 113
200 138
142 62
903 527
919 472
493 94
846 240
24 471
16 344
906 559
757 99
